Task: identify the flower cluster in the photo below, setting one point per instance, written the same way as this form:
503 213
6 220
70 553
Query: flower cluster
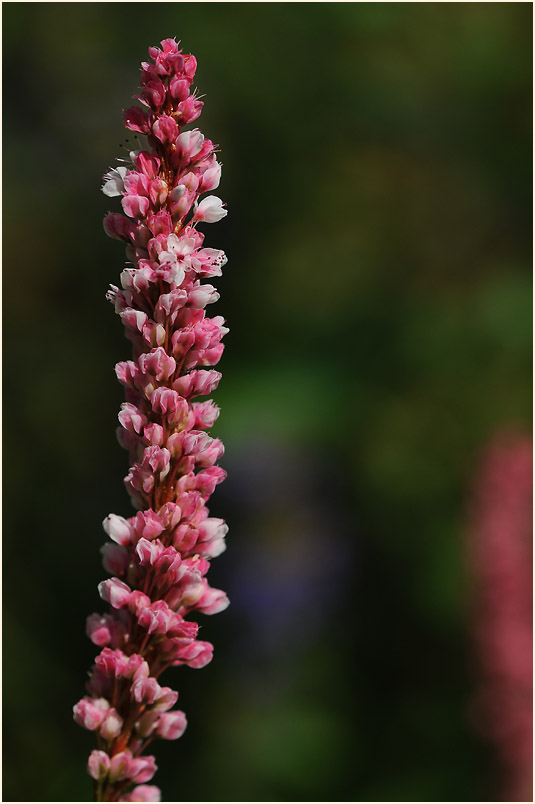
500 552
158 558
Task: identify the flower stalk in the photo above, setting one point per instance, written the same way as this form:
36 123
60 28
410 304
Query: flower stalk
158 559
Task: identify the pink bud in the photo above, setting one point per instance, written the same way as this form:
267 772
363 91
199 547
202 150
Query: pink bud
179 88
145 792
111 662
158 192
136 183
127 373
160 223
138 602
134 319
170 303
154 93
112 725
143 769
175 62
90 712
136 206
145 690
206 414
118 529
165 699
98 765
210 210
210 179
190 66
104 630
201 295
131 418
189 109
147 723
115 558
121 766
135 119
197 383
158 364
147 524
148 163
153 435
212 534
97 630
212 601
169 46
196 655
157 459
165 129
117 226
148 552
136 667
208 479
171 725
169 403
189 144
114 592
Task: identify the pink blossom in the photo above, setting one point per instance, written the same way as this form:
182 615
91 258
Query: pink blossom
98 765
90 712
112 725
159 556
171 725
118 529
189 144
209 210
115 558
115 592
135 206
501 562
144 792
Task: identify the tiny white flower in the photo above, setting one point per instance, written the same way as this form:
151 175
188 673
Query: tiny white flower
210 210
114 181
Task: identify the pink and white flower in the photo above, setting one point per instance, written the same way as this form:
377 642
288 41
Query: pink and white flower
158 558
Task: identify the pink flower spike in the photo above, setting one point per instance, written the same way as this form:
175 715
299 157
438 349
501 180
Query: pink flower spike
158 556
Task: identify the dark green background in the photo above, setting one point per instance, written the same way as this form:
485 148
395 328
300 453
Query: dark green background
377 169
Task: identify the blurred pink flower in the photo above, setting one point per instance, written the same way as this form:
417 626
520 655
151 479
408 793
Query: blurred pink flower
500 553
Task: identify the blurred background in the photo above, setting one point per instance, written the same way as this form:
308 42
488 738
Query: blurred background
377 169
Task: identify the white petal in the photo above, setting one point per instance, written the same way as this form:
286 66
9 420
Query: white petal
114 182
